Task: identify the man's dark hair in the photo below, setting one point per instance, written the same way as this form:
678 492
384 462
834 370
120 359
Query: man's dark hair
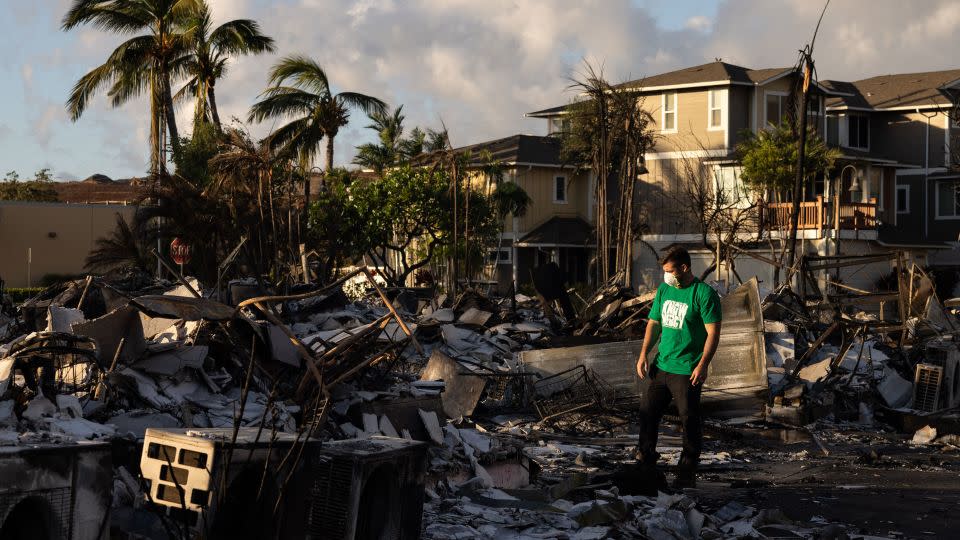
677 256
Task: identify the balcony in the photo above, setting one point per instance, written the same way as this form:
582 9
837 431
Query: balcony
819 215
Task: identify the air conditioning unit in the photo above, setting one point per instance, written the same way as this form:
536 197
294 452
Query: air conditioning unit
947 356
927 380
184 469
367 490
56 492
353 489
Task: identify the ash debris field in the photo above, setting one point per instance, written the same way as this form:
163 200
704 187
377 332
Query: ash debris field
137 408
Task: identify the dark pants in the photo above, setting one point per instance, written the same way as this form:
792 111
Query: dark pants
662 388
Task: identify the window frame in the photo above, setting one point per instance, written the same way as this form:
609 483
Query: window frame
936 201
664 112
566 195
780 96
713 94
860 117
500 259
905 188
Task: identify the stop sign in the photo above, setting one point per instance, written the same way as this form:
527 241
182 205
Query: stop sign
180 251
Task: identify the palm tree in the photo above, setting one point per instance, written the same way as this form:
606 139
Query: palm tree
388 152
123 249
211 51
317 112
142 63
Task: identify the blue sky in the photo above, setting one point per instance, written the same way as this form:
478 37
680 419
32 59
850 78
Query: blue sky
474 66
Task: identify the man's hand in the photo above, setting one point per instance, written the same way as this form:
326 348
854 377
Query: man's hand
642 366
699 375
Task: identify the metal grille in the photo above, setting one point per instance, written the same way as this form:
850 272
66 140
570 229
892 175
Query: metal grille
926 387
570 391
59 500
330 496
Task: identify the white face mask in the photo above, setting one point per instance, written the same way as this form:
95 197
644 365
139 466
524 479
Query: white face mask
671 279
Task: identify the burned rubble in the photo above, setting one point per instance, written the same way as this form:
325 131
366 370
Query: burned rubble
495 417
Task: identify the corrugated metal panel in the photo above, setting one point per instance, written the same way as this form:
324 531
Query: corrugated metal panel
615 363
740 361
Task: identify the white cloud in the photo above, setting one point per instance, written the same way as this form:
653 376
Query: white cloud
700 23
480 65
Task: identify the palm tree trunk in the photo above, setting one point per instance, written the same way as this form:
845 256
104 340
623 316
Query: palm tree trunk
330 153
154 128
171 115
212 101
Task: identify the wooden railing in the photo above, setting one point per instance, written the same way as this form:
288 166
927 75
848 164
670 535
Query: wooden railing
818 215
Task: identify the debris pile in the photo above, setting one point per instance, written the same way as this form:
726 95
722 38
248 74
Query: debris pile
526 404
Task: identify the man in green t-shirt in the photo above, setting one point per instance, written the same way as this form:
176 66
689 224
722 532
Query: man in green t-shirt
686 312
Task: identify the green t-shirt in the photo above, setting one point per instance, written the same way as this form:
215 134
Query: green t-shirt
682 314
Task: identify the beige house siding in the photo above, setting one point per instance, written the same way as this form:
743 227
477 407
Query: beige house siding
58 236
538 182
691 122
662 198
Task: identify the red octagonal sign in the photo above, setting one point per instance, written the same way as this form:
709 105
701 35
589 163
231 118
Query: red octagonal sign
180 251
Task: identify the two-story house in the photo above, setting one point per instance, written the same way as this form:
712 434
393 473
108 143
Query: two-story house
558 223
893 133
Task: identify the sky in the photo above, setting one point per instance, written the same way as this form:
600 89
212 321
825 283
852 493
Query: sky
474 66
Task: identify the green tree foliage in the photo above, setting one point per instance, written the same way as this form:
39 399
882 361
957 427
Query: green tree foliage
769 159
301 92
392 148
145 63
193 157
402 221
40 189
123 249
209 56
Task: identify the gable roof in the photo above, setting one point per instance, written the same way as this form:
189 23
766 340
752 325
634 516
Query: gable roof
525 149
718 73
712 74
895 91
560 231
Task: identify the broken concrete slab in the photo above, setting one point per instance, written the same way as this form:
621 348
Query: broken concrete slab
461 392
123 322
894 389
172 361
61 319
432 425
281 348
187 309
475 317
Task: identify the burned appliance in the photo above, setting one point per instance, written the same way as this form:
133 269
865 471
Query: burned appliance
55 491
266 485
204 480
369 489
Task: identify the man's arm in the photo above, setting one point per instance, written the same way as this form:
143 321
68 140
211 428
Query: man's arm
649 337
709 348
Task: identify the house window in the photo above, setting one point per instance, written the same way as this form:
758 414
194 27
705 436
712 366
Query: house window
560 189
669 120
731 192
776 107
833 130
715 108
948 200
858 131
499 256
903 199
558 125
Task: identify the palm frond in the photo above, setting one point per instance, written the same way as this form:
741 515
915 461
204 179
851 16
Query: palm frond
302 72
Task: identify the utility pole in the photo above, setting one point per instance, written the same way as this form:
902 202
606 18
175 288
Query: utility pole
806 67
